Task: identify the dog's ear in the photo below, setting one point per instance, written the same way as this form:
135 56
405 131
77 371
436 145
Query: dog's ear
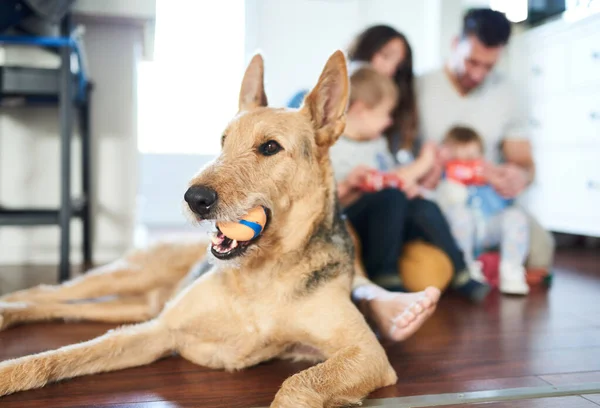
252 93
326 104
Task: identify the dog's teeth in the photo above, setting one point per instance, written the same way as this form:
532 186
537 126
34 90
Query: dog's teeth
217 239
234 243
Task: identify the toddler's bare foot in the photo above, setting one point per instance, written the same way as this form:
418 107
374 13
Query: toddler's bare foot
397 316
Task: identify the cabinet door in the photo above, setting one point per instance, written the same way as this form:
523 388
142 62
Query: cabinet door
584 60
572 119
566 194
546 69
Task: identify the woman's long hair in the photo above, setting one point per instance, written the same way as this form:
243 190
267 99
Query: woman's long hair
402 133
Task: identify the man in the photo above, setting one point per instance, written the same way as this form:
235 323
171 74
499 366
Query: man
467 91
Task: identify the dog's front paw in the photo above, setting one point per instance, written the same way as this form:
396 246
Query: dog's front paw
3 317
7 313
34 294
296 397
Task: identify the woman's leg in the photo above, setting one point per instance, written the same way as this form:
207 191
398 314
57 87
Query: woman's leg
426 222
379 220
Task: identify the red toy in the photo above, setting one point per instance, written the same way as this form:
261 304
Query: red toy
377 180
468 172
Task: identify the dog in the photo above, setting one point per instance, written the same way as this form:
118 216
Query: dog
285 294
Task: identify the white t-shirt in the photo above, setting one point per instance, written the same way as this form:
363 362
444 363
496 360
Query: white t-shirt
492 110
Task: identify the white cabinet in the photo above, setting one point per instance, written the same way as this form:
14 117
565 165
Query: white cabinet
558 68
566 194
546 71
572 120
584 58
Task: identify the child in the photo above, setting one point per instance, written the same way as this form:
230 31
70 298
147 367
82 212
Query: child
480 218
386 219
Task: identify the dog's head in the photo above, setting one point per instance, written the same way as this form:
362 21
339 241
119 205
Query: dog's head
275 158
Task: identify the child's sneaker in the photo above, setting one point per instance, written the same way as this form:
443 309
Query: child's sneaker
512 279
476 272
466 286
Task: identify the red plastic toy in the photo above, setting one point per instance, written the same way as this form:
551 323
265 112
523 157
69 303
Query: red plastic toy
377 180
468 172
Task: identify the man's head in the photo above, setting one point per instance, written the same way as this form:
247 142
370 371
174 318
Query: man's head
373 97
476 51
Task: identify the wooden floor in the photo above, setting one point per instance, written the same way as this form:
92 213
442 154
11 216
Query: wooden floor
551 337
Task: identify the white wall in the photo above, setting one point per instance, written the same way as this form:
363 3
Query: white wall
296 37
129 9
29 147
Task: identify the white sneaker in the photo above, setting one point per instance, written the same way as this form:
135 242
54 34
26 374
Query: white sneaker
512 279
476 272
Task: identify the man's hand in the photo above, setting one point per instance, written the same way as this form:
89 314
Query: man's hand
509 180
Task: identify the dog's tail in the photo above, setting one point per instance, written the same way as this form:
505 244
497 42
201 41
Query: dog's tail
128 346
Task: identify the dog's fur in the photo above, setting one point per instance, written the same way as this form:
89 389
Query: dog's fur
287 296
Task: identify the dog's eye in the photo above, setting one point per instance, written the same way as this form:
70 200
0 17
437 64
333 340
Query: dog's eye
269 148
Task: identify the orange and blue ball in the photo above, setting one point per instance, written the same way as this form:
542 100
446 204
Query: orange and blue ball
247 228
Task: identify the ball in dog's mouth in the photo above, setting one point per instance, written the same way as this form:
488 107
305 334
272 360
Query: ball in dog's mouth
223 247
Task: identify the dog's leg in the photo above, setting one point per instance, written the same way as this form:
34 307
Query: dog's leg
124 310
120 277
355 364
129 346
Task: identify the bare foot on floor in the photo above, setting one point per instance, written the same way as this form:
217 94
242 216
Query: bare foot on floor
398 316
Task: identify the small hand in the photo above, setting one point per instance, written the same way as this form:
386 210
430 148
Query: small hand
357 176
350 189
411 189
508 180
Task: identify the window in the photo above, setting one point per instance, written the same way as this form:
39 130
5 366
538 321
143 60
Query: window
515 10
190 91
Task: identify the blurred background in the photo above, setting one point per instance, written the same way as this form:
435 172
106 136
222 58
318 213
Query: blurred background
166 76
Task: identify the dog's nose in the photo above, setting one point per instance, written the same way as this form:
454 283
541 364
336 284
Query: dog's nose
200 199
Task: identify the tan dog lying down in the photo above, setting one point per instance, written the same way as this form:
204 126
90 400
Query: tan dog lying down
285 294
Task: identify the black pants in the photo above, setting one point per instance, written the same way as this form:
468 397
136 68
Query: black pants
386 220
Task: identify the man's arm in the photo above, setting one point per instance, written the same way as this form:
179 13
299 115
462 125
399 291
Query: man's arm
516 174
518 152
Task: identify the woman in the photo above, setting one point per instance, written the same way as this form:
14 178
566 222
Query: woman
389 53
